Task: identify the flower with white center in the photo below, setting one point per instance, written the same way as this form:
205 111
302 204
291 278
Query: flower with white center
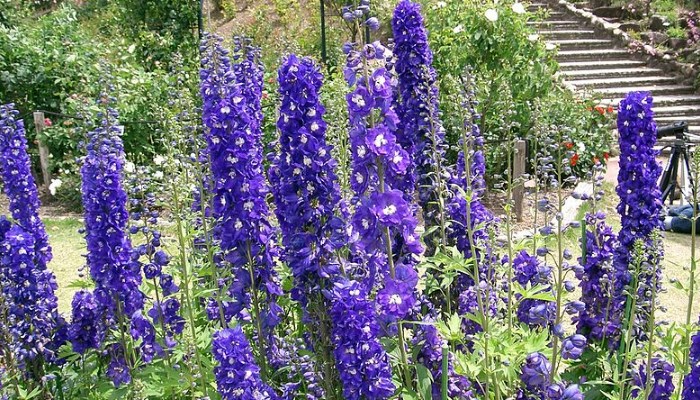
361 151
359 178
518 8
129 167
458 29
389 210
304 138
491 15
55 184
225 109
441 4
358 100
307 161
380 141
314 126
395 299
158 160
158 175
248 205
550 46
533 37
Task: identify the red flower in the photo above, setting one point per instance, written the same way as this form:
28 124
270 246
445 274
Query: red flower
47 122
606 155
574 160
600 109
568 145
610 109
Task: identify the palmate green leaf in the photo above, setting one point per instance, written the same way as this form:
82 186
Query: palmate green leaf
425 382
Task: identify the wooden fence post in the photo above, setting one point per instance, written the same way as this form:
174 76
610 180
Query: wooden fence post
519 160
39 123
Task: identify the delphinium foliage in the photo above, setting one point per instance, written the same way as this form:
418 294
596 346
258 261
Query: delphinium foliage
29 306
691 382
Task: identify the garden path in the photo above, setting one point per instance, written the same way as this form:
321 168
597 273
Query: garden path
593 64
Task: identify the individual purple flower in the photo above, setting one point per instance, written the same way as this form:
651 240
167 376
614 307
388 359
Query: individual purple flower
360 359
230 97
117 369
535 371
468 303
85 330
640 197
573 346
166 314
662 386
237 374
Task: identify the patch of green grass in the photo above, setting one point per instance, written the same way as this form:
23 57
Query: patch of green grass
68 247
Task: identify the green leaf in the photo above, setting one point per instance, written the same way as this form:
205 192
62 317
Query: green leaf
425 381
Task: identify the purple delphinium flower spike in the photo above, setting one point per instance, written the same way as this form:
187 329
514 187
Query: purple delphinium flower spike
239 206
420 125
117 278
361 361
237 375
602 288
85 331
26 283
304 183
640 197
535 372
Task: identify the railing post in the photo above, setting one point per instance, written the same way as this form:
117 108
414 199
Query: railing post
519 161
40 124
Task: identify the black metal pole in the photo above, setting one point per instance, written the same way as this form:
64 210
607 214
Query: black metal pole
200 19
324 55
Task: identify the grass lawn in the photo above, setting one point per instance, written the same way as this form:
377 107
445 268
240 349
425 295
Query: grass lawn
68 248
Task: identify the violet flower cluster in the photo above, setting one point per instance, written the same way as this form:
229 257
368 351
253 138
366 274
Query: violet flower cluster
662 386
535 375
691 382
27 286
640 197
239 206
117 277
304 183
529 272
360 358
430 355
237 375
602 285
420 125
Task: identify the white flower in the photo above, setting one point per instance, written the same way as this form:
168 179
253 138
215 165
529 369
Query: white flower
458 29
129 167
491 15
581 147
518 8
533 37
158 174
158 160
550 46
55 184
441 4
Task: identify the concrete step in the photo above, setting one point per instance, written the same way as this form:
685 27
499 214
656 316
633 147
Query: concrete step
581 44
676 112
656 90
568 33
621 81
692 120
599 64
552 24
609 73
594 54
681 104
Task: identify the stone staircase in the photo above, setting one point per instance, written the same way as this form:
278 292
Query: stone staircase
593 65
